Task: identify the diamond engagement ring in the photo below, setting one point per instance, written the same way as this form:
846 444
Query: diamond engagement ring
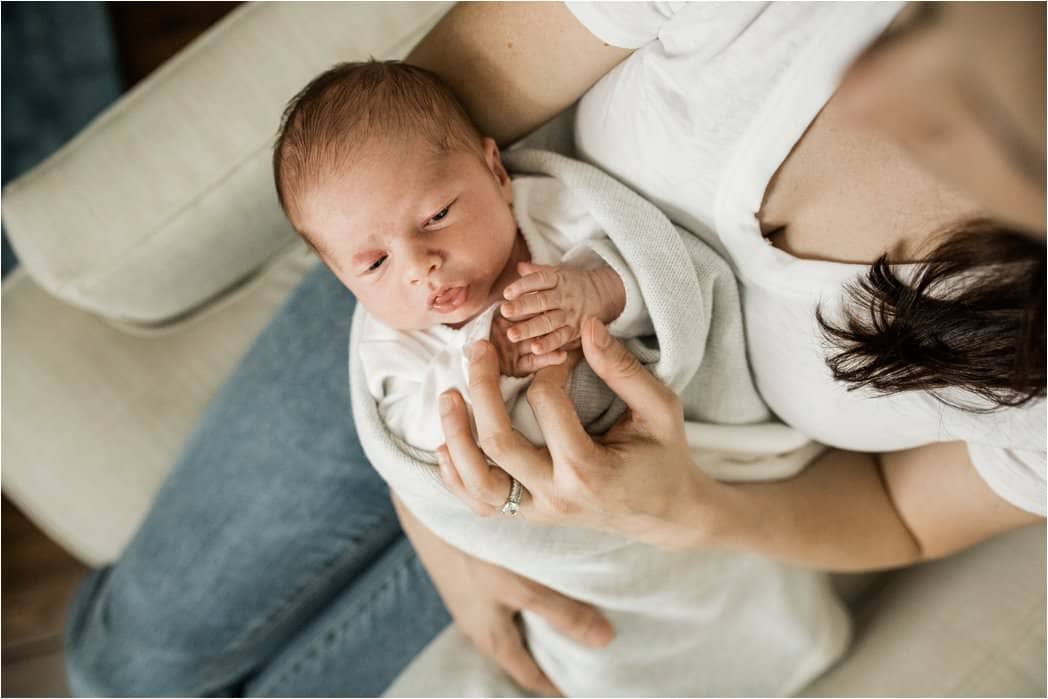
512 504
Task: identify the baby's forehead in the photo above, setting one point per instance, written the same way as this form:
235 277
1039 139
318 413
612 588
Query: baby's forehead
410 165
381 177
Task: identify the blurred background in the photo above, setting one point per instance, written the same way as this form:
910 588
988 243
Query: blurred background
63 63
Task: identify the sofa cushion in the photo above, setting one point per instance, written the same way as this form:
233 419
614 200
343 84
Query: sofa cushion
971 625
94 416
191 147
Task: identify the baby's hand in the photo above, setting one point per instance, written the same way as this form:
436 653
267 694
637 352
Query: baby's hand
548 305
515 359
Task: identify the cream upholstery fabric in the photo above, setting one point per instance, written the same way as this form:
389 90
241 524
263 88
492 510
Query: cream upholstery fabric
93 417
972 625
190 145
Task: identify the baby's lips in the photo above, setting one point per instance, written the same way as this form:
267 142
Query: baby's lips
448 298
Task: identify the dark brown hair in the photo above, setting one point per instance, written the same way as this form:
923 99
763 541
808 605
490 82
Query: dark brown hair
351 103
972 317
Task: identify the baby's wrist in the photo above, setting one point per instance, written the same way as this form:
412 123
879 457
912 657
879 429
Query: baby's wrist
611 292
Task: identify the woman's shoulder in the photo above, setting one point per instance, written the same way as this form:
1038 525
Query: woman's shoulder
1007 447
1010 427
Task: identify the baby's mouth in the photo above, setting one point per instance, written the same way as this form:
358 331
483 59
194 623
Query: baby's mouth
448 298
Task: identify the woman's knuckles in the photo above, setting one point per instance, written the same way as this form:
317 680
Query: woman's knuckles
619 363
671 412
560 505
498 445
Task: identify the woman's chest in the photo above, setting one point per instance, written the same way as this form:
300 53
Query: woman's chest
787 354
844 194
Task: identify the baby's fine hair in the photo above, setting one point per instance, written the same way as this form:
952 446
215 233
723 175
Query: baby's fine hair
352 103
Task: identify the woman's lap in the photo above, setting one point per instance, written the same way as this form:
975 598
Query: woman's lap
260 538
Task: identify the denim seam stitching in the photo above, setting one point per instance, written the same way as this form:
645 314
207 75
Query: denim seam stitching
333 635
294 601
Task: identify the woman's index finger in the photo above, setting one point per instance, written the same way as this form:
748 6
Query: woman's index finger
489 411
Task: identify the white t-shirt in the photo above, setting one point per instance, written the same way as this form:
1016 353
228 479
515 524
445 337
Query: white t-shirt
698 119
407 370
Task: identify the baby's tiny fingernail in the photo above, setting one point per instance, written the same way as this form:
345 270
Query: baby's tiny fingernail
505 309
514 334
476 351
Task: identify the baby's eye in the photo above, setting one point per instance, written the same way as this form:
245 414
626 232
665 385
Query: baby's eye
440 214
376 264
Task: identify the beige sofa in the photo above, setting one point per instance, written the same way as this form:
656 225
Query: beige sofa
153 252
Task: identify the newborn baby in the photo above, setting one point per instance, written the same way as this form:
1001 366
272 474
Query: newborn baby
380 169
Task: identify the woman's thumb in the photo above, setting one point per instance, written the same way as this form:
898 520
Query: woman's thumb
621 371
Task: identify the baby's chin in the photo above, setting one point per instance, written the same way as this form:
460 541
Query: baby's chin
462 316
457 319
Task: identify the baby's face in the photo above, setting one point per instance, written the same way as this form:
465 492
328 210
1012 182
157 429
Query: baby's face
420 239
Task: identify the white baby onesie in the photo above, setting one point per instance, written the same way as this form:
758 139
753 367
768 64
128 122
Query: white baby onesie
407 370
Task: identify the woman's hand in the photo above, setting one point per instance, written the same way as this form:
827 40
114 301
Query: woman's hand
484 601
638 480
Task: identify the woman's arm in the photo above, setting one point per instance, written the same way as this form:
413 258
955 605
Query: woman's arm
484 600
514 65
852 511
847 511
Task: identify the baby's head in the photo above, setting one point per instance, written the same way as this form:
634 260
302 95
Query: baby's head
378 167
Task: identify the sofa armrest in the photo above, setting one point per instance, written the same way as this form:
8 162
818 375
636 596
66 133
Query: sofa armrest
970 625
166 199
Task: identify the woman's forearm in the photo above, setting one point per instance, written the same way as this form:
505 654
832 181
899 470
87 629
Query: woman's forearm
835 515
849 511
426 544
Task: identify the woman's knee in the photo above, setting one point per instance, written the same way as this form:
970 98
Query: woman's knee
120 642
166 624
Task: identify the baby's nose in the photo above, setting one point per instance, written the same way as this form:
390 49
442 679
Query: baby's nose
424 264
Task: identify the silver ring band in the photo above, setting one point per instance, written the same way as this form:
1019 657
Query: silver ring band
516 492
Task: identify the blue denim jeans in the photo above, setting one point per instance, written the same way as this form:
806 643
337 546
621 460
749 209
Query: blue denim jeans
271 562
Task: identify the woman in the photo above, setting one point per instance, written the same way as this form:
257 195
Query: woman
784 159
883 509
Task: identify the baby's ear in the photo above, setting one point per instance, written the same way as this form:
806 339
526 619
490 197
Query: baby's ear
493 158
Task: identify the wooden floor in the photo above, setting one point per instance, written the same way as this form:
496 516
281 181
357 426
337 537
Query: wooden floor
39 578
38 581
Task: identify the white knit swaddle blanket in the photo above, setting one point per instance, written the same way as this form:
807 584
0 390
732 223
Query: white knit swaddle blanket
695 624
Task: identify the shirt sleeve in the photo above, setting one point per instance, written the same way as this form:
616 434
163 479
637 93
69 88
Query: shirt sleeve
628 25
1017 475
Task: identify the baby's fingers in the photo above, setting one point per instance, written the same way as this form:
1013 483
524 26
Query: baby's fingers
534 278
537 326
531 303
530 363
558 339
